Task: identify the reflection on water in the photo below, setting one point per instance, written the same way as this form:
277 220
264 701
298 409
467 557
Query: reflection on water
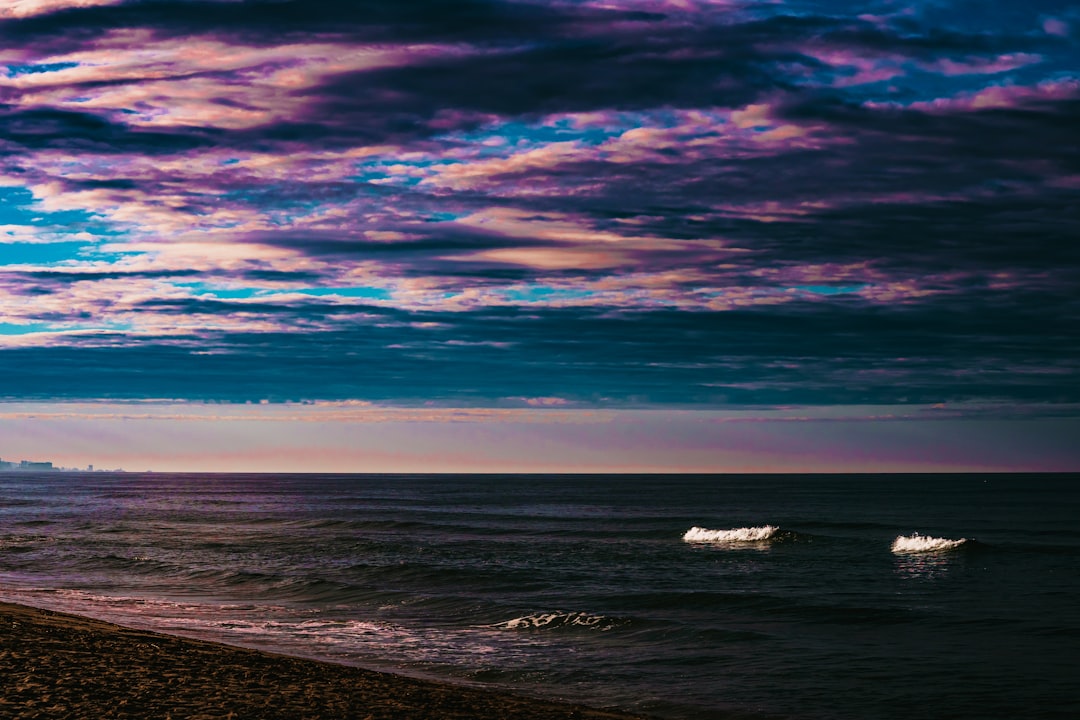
923 566
924 556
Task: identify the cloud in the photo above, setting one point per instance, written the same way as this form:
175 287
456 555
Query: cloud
1055 26
604 203
29 8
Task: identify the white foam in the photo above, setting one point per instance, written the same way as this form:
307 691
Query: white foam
733 536
551 620
916 543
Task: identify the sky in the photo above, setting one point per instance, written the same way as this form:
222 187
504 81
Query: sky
574 235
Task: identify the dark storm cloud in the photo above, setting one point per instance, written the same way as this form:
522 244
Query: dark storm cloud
980 190
655 65
61 278
23 130
308 310
815 355
275 21
657 62
677 69
527 61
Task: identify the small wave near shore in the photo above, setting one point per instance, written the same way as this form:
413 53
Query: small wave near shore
916 544
733 536
560 620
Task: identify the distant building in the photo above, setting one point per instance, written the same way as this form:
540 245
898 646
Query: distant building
26 465
31 465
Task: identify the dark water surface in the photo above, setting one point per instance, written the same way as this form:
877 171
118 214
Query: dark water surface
588 588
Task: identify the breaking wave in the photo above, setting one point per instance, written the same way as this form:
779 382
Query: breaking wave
916 543
734 536
559 620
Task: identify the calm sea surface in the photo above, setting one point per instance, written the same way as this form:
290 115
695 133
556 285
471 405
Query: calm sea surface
789 600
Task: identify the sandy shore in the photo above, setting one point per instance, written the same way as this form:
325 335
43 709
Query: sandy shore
54 665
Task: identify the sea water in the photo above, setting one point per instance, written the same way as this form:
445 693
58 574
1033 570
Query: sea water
692 597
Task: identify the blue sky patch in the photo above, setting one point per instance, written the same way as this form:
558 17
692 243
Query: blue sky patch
24 329
43 253
17 70
831 289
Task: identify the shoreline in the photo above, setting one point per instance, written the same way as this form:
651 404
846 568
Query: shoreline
60 665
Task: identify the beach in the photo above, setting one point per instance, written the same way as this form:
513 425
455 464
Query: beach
55 665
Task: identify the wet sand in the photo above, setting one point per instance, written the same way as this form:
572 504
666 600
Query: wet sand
58 666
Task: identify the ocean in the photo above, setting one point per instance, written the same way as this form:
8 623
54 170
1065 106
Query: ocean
688 597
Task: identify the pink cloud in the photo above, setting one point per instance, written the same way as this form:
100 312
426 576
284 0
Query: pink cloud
983 66
697 135
178 82
29 8
858 68
998 96
465 175
1055 26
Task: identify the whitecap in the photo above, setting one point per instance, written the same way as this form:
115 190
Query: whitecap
734 536
558 619
916 543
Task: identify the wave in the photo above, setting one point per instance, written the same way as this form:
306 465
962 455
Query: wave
916 543
560 620
23 543
734 536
